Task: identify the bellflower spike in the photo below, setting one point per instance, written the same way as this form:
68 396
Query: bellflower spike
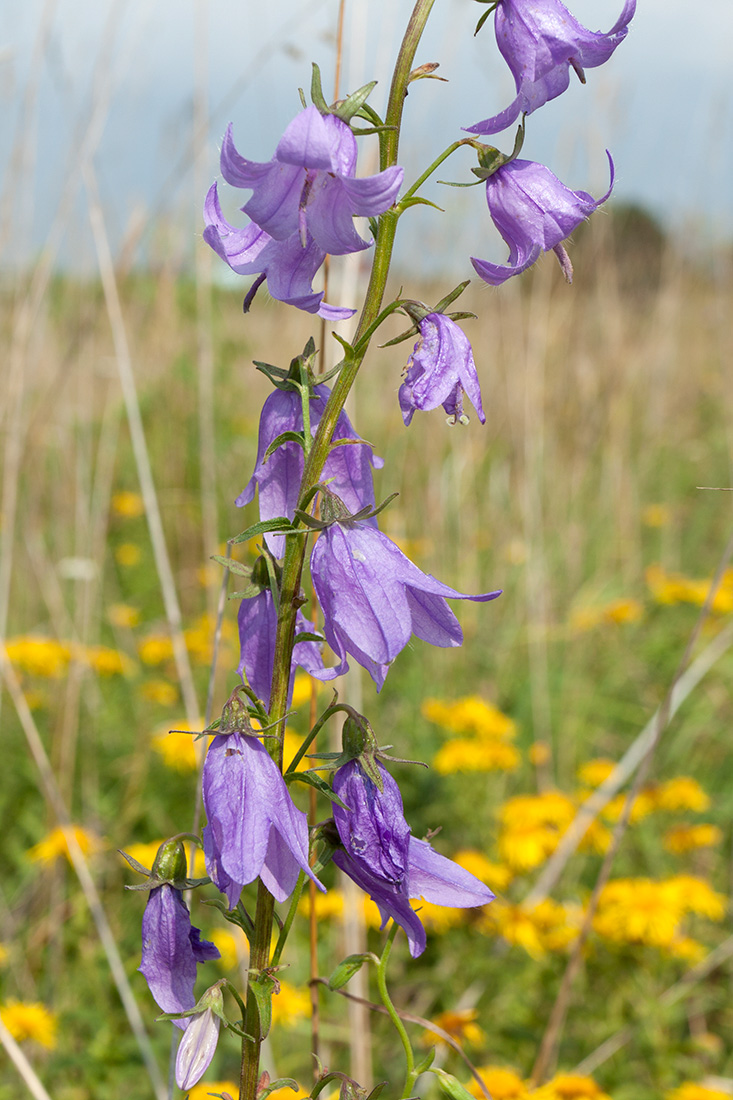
253 827
171 949
374 598
373 830
257 629
349 468
440 369
289 265
308 188
540 42
430 876
534 212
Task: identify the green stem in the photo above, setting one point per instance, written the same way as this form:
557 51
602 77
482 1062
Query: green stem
285 930
410 1075
436 164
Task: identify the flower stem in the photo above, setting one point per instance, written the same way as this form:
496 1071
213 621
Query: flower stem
410 1075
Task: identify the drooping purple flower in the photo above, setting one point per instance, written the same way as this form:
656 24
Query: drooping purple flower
289 265
374 598
171 949
253 827
440 369
429 875
257 629
309 186
540 42
349 467
197 1048
373 829
534 212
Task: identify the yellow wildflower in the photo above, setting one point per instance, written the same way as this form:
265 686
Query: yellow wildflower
291 745
155 649
199 638
288 1094
460 1024
143 852
539 753
204 1089
597 838
624 610
531 827
162 692
209 574
495 875
39 656
438 918
128 554
232 944
107 662
123 615
570 1086
127 504
503 1084
686 838
327 905
4 953
669 588
178 749
595 772
681 793
637 910
548 926
303 688
694 895
690 1090
475 755
472 715
656 515
290 1005
30 1020
644 803
687 949
54 845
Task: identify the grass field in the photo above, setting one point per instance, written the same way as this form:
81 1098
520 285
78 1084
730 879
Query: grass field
608 405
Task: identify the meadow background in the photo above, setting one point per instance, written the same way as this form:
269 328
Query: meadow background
129 426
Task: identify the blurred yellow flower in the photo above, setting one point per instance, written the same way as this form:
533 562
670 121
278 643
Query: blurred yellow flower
531 827
155 649
686 838
204 1090
106 661
656 515
472 715
123 615
670 588
291 744
595 772
689 1090
475 755
570 1086
290 1005
128 554
687 949
4 953
303 687
548 926
681 793
539 753
232 945
495 875
649 911
127 504
178 749
438 918
624 610
199 638
54 845
143 852
503 1084
327 905
695 895
30 1020
162 692
209 574
39 656
644 804
460 1024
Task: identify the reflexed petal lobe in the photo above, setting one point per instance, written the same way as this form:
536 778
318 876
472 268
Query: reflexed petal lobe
440 881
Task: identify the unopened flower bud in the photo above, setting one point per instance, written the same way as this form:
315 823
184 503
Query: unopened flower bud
198 1044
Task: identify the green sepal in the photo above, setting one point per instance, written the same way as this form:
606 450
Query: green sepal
368 113
426 71
279 377
406 335
425 1063
238 916
462 315
236 567
308 636
311 779
281 1083
284 437
348 348
309 521
451 297
281 524
451 1086
382 506
417 200
349 966
377 1090
354 102
263 986
317 97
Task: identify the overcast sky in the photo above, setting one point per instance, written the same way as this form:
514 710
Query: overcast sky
662 105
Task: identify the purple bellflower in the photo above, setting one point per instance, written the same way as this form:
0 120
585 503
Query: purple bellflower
289 265
257 629
429 875
309 185
373 829
171 949
440 369
253 827
540 42
197 1048
374 598
349 467
534 212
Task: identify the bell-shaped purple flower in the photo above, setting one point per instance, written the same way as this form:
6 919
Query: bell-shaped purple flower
429 875
374 598
289 265
348 468
534 212
197 1048
540 43
373 829
257 629
308 188
253 827
440 370
171 949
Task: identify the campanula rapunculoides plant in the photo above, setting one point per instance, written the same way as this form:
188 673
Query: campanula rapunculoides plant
319 533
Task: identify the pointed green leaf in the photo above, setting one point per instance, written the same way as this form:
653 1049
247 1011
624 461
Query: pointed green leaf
317 96
349 966
313 780
281 524
262 987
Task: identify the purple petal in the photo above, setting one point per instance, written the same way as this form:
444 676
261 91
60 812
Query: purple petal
310 142
197 1048
373 195
391 902
373 829
440 881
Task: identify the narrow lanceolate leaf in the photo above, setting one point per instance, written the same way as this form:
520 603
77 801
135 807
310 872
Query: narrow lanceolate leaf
284 437
279 523
262 987
236 567
313 780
